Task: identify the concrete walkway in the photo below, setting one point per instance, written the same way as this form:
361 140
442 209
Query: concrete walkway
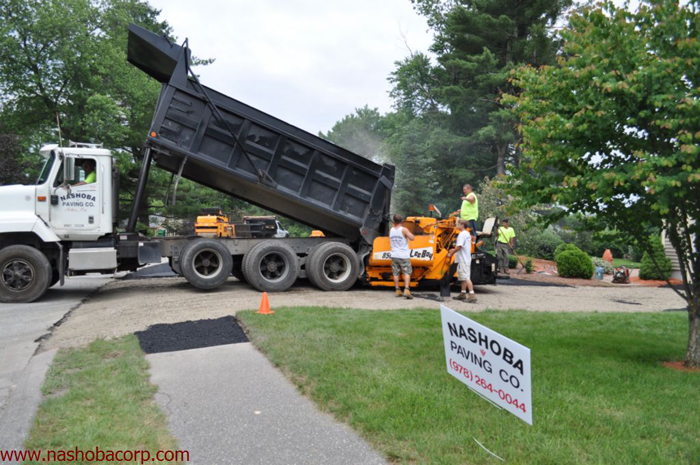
22 373
228 405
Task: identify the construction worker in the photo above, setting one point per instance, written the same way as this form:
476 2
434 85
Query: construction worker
401 256
90 175
469 210
463 250
506 243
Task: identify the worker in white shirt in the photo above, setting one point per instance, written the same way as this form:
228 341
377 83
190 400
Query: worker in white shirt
401 256
463 250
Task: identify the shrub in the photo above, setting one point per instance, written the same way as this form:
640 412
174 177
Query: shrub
540 244
606 265
647 269
564 248
512 261
528 266
574 263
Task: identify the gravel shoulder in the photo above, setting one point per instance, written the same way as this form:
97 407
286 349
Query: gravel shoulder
125 306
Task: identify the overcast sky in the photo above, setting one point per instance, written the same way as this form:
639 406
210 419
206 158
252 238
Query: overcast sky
308 62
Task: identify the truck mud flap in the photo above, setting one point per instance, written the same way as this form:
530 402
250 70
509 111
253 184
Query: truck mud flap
149 252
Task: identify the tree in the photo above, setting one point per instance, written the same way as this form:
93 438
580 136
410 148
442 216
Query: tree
361 132
13 165
477 43
613 129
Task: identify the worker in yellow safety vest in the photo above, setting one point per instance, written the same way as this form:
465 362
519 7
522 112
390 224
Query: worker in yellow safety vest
470 209
506 243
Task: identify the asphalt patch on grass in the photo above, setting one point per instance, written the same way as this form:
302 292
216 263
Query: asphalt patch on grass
191 335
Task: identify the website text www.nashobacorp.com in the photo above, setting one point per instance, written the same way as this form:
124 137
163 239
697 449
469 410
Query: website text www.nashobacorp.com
94 455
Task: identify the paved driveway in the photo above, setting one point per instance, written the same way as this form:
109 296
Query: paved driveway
21 374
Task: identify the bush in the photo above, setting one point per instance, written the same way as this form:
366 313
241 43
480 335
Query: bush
574 263
647 269
564 248
540 244
606 265
528 266
512 261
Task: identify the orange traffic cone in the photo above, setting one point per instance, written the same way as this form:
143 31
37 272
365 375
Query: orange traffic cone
265 306
608 256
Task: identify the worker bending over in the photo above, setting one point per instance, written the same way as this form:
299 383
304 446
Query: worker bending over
463 250
401 256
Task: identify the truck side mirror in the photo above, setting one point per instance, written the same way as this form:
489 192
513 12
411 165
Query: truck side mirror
68 169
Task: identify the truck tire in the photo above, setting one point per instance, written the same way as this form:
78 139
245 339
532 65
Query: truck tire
271 266
25 274
332 266
205 263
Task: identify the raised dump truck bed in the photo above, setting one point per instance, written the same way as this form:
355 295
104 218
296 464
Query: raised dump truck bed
215 140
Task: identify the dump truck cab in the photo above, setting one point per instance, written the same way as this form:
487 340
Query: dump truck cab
54 208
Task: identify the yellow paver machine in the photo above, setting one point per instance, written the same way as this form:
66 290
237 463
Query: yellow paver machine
433 239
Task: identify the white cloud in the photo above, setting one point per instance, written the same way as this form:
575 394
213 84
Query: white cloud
308 62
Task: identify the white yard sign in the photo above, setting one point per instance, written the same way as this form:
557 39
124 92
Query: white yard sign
489 364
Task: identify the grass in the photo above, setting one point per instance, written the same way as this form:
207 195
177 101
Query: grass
624 262
600 394
100 396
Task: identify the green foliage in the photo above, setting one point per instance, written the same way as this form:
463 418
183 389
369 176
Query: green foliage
574 263
528 266
449 128
648 269
476 45
512 261
14 167
540 244
564 248
362 133
613 130
618 242
599 262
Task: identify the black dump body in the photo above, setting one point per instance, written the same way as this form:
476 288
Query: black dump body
222 143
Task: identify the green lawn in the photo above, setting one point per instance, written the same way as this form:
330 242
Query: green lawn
626 263
600 394
100 396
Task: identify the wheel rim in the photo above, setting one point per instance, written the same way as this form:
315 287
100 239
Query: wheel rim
337 268
274 267
208 263
17 275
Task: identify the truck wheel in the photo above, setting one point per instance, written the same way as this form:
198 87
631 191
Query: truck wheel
25 274
271 266
333 266
206 263
237 270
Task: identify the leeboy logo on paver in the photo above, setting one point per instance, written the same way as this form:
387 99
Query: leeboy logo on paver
490 364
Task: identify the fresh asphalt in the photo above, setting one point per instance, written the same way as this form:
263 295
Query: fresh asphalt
21 372
228 405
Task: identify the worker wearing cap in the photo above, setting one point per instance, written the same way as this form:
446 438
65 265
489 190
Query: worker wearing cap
506 242
470 209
